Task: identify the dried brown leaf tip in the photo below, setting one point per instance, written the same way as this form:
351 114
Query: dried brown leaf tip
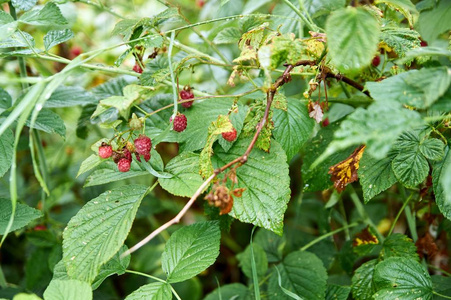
365 237
220 197
345 171
426 246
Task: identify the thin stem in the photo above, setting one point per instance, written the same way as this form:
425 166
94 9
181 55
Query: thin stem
324 236
145 275
254 268
310 25
174 87
102 7
441 295
439 269
411 222
399 214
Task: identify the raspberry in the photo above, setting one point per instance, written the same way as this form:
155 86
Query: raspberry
143 144
423 43
126 154
376 61
325 122
146 157
186 94
229 136
179 123
117 156
105 150
137 68
124 165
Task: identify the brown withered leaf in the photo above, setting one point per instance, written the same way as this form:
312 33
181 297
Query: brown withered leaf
315 111
238 192
426 246
364 237
220 197
345 171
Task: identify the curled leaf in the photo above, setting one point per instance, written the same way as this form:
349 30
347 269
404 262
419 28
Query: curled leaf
345 171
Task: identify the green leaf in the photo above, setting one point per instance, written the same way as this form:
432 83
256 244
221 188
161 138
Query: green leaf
50 14
375 175
441 181
266 182
337 292
235 291
271 243
410 167
23 4
89 163
6 151
433 149
362 282
402 278
199 118
7 25
56 37
152 291
432 23
68 290
99 229
186 179
68 96
352 38
24 296
442 285
116 265
5 100
318 178
261 261
425 52
399 245
418 88
400 39
24 215
110 174
237 117
229 35
191 250
49 122
378 127
302 273
293 127
17 40
406 7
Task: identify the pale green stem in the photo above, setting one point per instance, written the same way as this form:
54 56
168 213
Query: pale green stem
154 278
174 87
399 214
310 25
324 236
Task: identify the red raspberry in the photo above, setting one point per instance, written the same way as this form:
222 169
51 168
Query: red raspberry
229 136
146 157
127 154
179 123
376 61
325 122
75 51
124 165
105 150
137 68
423 43
186 94
143 144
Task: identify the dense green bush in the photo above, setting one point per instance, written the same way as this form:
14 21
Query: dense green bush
225 149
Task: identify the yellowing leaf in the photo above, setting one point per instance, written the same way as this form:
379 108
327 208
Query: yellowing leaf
345 171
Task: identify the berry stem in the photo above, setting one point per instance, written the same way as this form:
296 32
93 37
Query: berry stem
174 88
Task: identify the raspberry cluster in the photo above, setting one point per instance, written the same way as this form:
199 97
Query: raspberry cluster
123 156
186 94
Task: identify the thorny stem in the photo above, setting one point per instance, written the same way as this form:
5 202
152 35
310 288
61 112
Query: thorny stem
284 78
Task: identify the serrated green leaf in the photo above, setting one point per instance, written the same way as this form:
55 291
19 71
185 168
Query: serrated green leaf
235 291
23 4
398 245
406 7
436 21
49 122
186 178
106 175
6 151
362 282
68 290
229 35
56 37
318 178
302 273
7 25
376 175
199 118
442 285
433 149
89 163
410 167
352 38
441 181
418 88
152 291
191 250
378 127
50 14
318 8
18 40
292 128
401 40
271 243
337 292
265 178
67 96
402 278
24 215
237 117
99 229
5 100
116 265
261 261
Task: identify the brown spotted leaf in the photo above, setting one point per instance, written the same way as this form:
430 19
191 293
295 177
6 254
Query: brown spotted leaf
345 171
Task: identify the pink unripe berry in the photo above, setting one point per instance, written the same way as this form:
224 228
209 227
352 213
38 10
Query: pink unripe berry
105 151
124 165
230 135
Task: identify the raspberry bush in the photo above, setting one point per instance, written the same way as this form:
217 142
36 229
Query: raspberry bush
218 149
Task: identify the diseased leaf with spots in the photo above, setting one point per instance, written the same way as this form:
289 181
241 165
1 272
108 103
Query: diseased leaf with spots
345 172
398 245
